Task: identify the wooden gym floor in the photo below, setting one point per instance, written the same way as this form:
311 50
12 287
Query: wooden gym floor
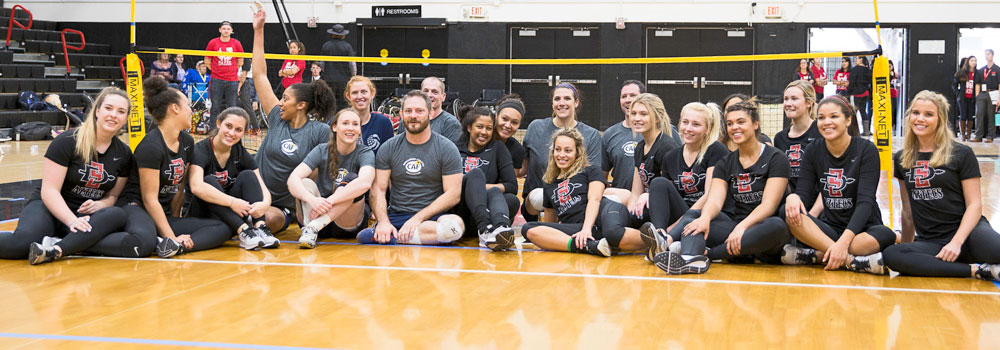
345 296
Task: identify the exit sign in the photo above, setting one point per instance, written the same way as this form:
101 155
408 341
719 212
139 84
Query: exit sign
477 12
773 12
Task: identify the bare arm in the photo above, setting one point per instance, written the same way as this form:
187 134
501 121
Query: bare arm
378 200
52 181
178 201
713 205
773 191
205 191
595 192
149 186
905 216
259 65
708 189
355 188
550 216
973 210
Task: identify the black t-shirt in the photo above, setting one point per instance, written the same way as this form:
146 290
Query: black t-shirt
87 181
152 153
690 180
239 160
937 201
992 80
517 152
493 160
568 197
746 186
794 149
848 184
650 164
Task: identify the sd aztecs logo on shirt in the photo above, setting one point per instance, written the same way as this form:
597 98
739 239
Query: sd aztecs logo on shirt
223 178
474 162
175 172
920 176
743 182
564 197
94 175
645 176
794 154
689 182
834 182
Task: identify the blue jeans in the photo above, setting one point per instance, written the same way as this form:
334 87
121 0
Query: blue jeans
223 94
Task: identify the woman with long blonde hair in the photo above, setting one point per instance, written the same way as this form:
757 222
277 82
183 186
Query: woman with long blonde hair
944 231
577 216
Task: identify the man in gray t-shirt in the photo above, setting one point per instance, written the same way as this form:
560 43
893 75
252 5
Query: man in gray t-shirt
282 150
442 122
424 171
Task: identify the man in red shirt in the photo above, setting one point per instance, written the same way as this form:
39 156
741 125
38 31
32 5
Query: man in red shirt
226 71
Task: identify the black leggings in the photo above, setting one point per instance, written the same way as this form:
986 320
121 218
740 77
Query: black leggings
665 204
966 108
864 106
480 205
763 240
36 222
205 233
883 235
918 258
245 187
611 222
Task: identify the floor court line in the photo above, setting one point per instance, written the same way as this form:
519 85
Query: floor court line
149 341
553 274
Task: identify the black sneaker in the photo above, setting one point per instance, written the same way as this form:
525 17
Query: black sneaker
655 243
167 248
871 264
988 272
39 254
599 248
675 264
792 255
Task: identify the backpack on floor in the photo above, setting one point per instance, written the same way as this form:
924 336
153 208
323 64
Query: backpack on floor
29 101
34 131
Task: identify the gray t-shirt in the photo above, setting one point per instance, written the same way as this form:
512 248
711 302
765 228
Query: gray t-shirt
445 124
348 166
538 142
415 181
619 153
282 150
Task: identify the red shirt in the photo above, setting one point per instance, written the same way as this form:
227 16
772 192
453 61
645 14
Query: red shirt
803 76
224 67
818 73
970 86
841 76
295 79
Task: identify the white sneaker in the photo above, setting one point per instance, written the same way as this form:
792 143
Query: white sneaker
50 241
871 264
250 240
308 238
792 255
502 238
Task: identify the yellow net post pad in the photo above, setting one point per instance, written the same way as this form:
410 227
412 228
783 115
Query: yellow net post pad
882 113
136 118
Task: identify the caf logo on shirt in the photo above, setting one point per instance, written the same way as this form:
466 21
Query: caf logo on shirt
288 147
175 172
794 154
564 192
743 182
341 175
373 141
921 174
834 182
474 162
629 148
94 175
413 166
689 181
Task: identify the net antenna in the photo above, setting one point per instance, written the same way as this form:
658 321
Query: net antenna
285 26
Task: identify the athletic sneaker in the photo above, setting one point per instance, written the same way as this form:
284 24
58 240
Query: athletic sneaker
367 236
988 272
675 264
270 242
250 239
599 248
38 254
871 264
792 255
503 238
168 248
308 238
654 241
487 238
49 241
675 247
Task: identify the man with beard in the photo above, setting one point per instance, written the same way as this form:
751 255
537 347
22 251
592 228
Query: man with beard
424 170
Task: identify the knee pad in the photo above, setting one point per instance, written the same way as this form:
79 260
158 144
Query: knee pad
310 186
448 230
535 199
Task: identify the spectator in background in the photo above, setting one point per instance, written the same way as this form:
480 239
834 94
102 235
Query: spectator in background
860 85
247 94
291 70
197 79
840 78
338 73
987 80
965 98
226 71
181 75
316 68
803 72
164 68
819 74
894 93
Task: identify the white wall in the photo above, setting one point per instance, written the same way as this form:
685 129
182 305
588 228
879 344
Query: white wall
688 11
